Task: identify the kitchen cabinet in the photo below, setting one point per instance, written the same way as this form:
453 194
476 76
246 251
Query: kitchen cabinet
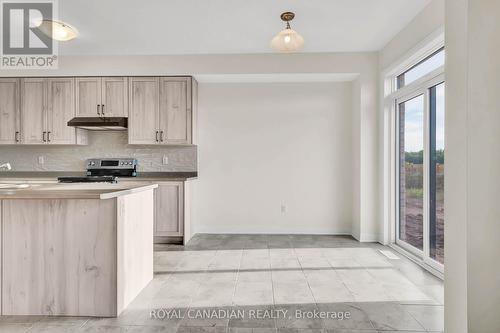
169 209
143 110
47 104
60 109
10 111
175 110
102 96
33 111
161 110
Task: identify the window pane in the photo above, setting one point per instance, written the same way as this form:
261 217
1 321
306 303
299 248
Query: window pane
424 67
411 175
436 230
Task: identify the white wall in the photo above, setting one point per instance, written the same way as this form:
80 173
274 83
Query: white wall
430 19
455 190
472 293
267 144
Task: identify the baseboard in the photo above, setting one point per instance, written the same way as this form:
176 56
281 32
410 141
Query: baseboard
168 240
273 233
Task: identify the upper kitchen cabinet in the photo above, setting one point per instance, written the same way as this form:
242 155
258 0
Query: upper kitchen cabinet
102 96
60 109
34 111
161 110
143 110
47 104
175 110
10 111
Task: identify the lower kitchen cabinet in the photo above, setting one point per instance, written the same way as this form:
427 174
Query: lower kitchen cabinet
169 210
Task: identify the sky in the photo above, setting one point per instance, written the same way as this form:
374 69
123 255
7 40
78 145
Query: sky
414 108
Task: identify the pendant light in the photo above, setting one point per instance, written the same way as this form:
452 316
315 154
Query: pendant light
59 31
287 40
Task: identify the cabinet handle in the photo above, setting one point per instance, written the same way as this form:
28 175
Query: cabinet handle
98 108
161 136
43 137
156 136
102 109
17 136
48 136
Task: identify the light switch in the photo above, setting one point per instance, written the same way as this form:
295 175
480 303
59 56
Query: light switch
165 160
41 160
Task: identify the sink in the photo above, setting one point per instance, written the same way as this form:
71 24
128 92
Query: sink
13 186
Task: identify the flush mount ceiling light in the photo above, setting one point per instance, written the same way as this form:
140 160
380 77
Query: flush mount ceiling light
57 30
287 40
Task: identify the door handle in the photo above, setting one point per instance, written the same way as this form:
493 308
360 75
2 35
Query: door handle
102 109
17 136
48 136
161 136
156 136
43 137
98 108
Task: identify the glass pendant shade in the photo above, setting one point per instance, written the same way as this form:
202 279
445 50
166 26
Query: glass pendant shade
287 40
59 31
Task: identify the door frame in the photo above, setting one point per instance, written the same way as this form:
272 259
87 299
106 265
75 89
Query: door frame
421 88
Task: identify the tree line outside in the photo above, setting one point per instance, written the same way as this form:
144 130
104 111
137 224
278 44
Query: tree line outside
417 157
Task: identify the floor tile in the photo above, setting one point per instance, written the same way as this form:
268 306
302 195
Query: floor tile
291 287
14 328
299 316
151 329
254 288
254 317
363 286
327 287
390 316
345 316
430 317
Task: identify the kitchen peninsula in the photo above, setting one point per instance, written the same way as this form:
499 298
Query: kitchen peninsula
75 249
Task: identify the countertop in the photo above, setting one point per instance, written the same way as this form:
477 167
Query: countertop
74 191
52 175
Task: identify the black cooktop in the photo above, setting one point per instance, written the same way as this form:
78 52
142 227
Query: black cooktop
88 179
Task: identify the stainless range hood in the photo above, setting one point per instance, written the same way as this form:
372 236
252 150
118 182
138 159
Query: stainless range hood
100 123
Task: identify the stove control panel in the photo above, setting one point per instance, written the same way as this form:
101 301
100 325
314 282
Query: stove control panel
111 163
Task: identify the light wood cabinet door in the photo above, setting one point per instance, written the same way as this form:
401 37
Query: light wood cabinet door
169 209
114 97
33 110
143 110
175 110
88 96
10 113
60 110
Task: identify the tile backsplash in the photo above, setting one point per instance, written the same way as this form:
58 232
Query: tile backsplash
101 144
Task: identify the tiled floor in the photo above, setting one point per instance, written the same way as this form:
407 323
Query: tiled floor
259 283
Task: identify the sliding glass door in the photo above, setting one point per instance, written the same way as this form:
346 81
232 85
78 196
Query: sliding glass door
420 168
436 173
411 172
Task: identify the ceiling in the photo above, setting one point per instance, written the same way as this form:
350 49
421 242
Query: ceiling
230 26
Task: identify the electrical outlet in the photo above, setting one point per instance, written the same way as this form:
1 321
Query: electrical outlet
41 160
165 160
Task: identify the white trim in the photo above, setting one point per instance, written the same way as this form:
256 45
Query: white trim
422 89
422 50
417 260
389 103
417 84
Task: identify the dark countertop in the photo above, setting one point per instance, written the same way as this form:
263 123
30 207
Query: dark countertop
167 175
